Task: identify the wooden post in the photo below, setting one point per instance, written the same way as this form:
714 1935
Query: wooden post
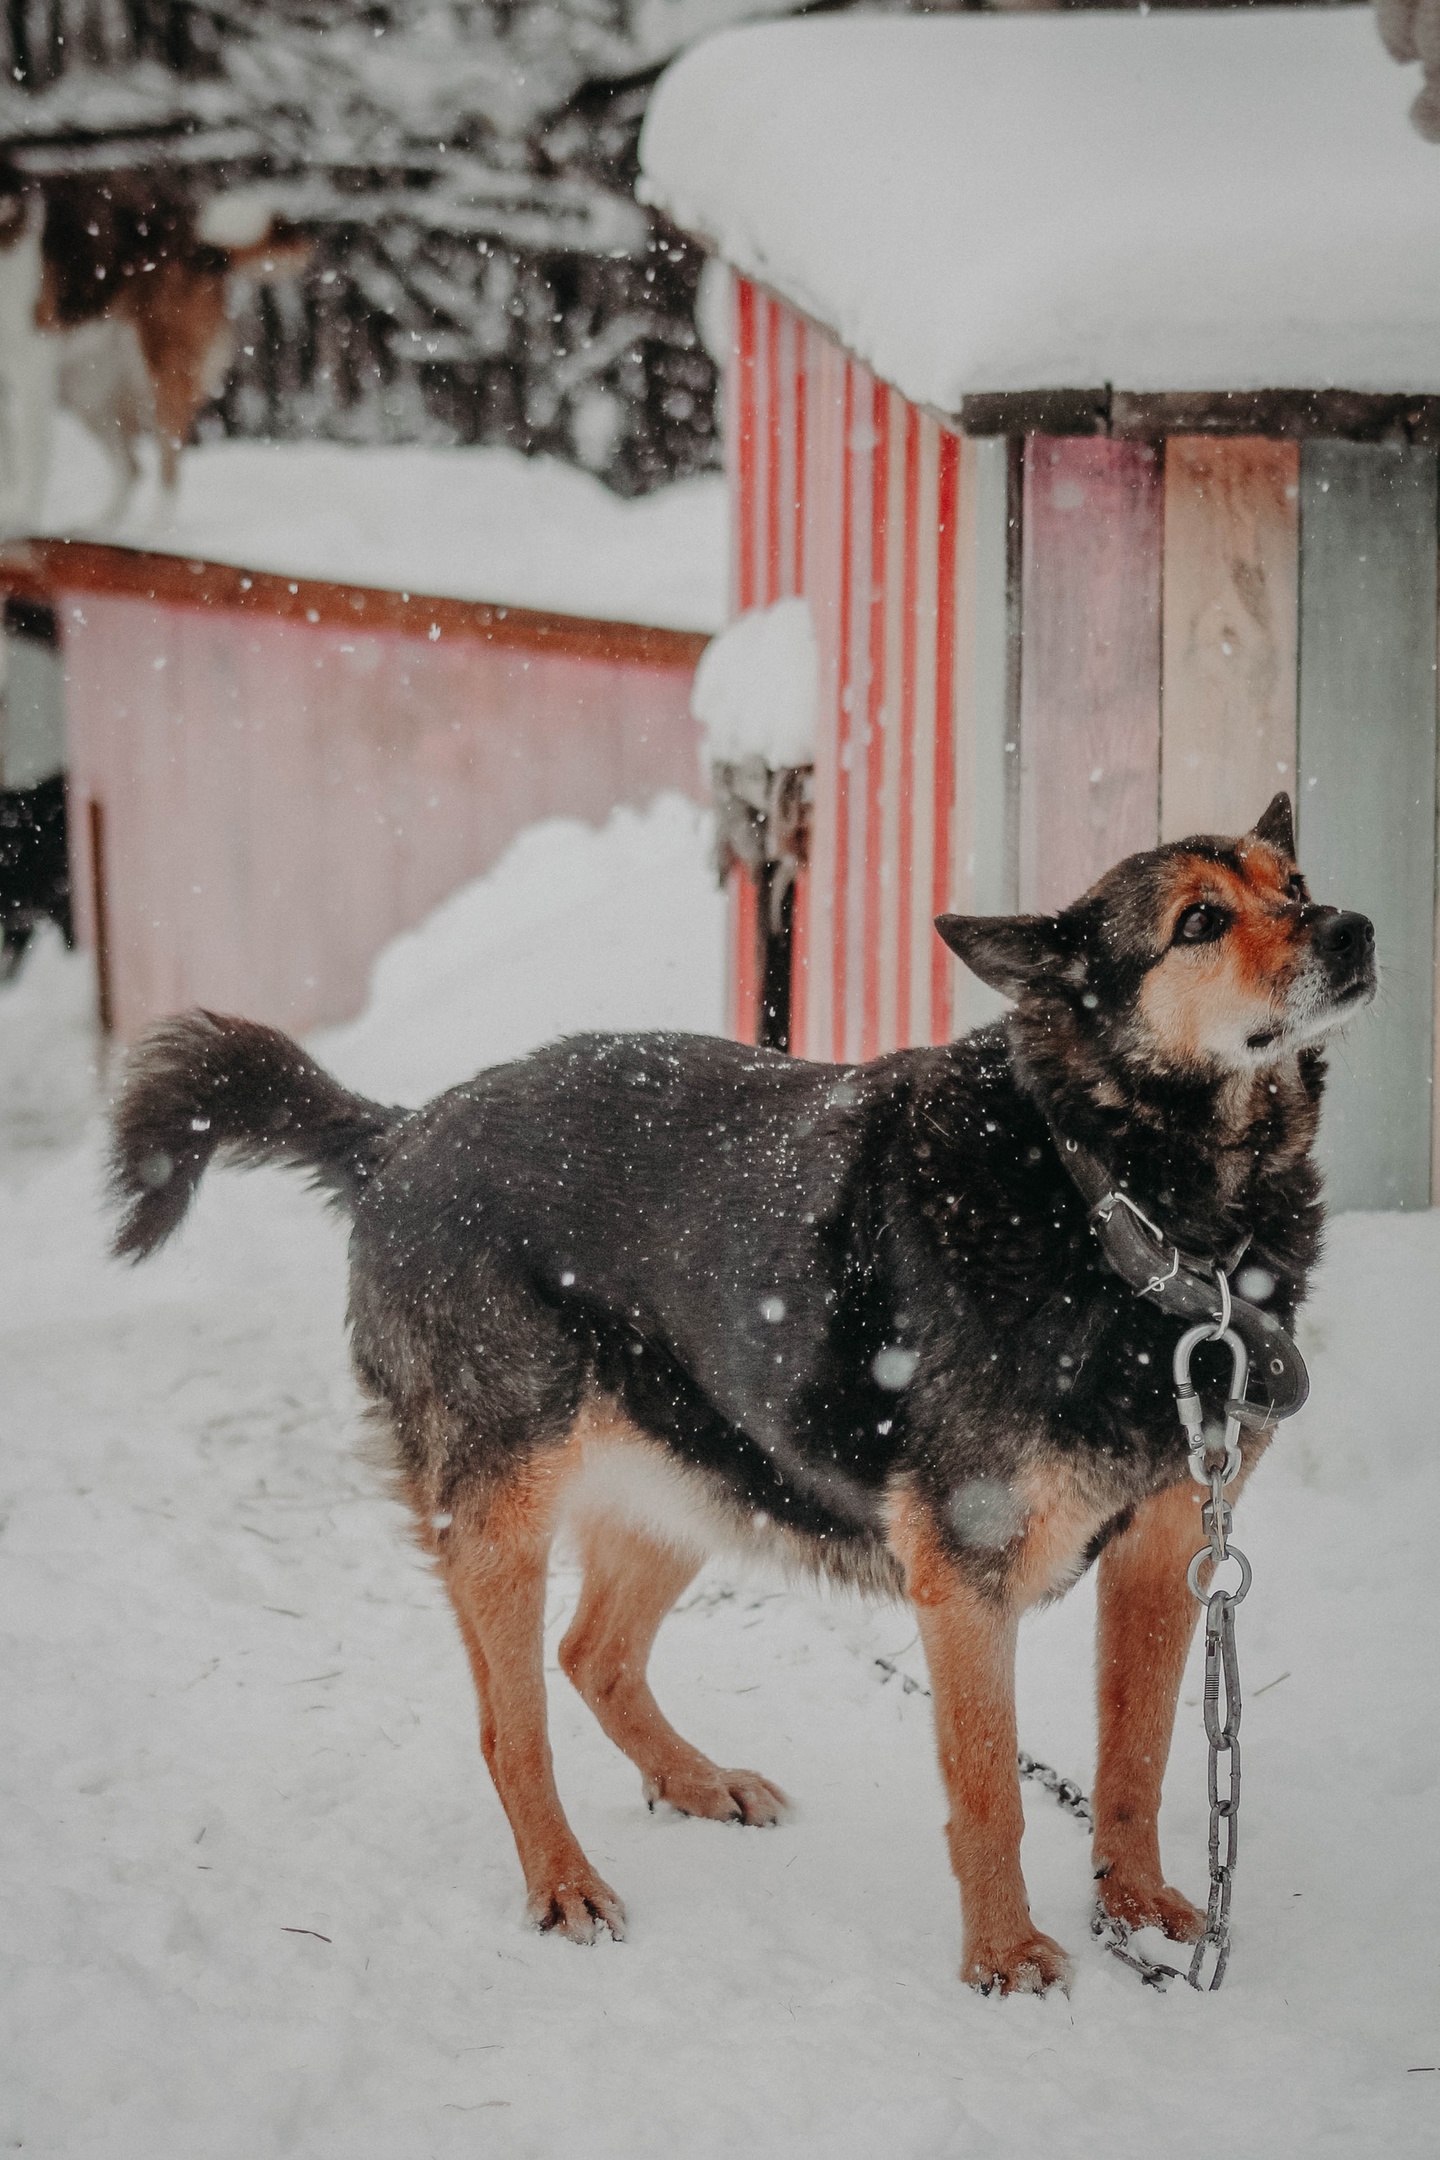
1367 792
1232 523
1090 665
100 918
743 970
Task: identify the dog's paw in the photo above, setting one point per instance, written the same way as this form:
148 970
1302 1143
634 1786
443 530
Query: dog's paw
1031 1966
577 1907
741 1796
1140 1904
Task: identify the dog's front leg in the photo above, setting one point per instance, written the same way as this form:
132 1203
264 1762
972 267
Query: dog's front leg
969 1640
1145 1621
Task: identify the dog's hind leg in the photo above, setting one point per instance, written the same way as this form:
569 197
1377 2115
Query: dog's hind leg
969 1638
631 1582
494 1558
1145 1620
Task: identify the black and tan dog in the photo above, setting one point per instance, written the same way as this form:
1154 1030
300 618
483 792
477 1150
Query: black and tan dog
681 1296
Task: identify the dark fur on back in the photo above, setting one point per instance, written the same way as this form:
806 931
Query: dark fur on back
203 1083
801 1278
808 1281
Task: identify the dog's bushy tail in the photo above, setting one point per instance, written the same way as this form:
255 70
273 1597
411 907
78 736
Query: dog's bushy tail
205 1082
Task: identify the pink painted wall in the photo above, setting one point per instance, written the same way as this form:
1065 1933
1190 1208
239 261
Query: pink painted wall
281 798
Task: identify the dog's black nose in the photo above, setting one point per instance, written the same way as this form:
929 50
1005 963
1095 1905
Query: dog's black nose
1345 937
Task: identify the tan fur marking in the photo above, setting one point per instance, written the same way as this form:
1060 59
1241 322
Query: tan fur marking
1060 1522
631 1582
1145 1621
628 1477
969 1644
494 1558
1196 999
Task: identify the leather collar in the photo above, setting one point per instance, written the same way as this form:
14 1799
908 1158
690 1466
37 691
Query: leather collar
1185 1285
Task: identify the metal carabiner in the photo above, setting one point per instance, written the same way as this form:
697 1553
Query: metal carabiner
1187 1402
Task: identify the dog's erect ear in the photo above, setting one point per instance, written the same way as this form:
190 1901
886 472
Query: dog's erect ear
1276 826
1009 952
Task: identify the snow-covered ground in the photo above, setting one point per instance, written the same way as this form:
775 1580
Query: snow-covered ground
222 1659
457 524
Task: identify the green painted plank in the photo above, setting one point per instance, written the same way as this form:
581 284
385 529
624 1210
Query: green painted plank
1367 793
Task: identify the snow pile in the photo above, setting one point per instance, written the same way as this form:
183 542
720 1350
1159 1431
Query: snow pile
573 929
464 524
48 1050
1159 201
261 1898
757 687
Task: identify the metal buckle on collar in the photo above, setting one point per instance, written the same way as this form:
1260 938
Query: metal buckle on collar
1105 1207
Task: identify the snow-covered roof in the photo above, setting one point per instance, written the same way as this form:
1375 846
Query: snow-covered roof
481 524
974 204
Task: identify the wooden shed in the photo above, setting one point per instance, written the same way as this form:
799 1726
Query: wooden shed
270 777
1085 379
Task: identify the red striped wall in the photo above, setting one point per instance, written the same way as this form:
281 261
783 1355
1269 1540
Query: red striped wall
845 493
1038 656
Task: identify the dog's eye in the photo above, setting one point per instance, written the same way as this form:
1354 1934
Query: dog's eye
1200 925
1296 888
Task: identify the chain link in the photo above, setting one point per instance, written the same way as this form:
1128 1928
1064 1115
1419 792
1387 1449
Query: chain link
1214 1461
1213 1464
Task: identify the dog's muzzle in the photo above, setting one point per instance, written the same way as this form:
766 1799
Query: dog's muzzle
1344 944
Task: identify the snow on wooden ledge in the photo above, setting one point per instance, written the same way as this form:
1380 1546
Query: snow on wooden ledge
986 204
482 525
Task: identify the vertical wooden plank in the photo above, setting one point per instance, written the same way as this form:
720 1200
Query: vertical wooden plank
1090 666
800 966
943 806
992 723
801 349
774 452
905 718
823 546
982 872
742 373
1231 599
873 860
788 334
898 414
743 942
1367 793
100 914
849 937
922 799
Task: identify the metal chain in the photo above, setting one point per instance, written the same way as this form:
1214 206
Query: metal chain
1112 1934
1214 1464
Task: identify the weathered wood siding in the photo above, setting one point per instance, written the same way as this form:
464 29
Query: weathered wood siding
1090 662
1231 588
1039 656
1367 792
